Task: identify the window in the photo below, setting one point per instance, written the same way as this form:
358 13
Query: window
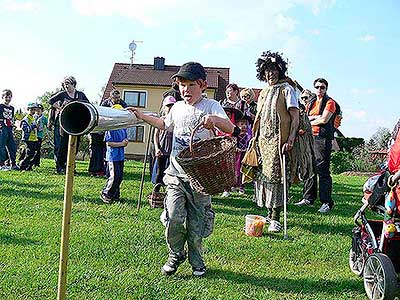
135 98
136 134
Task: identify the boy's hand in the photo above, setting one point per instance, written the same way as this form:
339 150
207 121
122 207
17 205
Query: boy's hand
135 111
125 142
209 122
158 153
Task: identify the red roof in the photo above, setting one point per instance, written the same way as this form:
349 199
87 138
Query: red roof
145 74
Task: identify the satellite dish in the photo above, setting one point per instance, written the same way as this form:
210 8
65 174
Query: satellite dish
132 46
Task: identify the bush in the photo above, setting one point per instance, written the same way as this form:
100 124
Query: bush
363 161
341 161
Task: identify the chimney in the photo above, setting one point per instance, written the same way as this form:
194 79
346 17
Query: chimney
159 63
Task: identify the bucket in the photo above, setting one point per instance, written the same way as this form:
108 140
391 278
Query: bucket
254 225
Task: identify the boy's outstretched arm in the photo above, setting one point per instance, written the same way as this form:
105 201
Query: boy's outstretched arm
153 121
223 124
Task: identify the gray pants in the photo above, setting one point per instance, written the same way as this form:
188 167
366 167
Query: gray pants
188 217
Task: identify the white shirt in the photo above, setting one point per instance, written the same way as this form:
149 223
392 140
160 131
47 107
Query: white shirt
182 119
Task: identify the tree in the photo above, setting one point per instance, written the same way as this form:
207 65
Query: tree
43 99
379 140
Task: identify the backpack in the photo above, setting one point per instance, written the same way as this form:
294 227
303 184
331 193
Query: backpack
337 121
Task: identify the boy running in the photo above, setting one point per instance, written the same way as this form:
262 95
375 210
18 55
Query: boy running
188 214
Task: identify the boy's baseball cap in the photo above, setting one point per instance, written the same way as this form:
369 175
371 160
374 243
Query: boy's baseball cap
169 100
32 105
191 71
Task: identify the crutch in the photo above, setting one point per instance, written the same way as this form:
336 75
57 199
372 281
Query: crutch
285 197
150 136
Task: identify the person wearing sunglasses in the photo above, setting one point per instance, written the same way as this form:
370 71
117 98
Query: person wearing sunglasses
321 111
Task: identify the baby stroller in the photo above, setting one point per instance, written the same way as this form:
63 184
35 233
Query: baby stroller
375 250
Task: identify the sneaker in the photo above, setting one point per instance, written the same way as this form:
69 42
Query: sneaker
241 191
199 272
16 168
172 264
105 199
274 226
225 194
303 202
325 208
5 168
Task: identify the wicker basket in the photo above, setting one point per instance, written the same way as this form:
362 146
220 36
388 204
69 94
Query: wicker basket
210 164
156 199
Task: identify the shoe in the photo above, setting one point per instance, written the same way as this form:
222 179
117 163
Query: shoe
225 194
241 191
105 199
16 168
172 264
5 168
199 272
274 226
325 208
303 202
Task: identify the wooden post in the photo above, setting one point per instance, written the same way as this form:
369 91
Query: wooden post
149 138
68 191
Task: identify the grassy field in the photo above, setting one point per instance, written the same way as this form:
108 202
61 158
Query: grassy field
116 252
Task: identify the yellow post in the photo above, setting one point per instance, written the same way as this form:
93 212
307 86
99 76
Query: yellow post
68 191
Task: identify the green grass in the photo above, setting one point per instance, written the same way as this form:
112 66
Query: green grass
116 252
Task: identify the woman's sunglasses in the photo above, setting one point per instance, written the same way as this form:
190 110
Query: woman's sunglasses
320 87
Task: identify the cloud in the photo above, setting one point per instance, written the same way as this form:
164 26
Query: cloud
367 38
148 12
284 23
231 39
315 32
18 6
199 32
357 91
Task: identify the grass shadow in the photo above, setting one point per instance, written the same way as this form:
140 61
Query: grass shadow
288 285
9 239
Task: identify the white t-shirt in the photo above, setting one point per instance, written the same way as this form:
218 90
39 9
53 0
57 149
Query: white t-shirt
182 119
291 97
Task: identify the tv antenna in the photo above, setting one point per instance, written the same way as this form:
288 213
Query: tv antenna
132 48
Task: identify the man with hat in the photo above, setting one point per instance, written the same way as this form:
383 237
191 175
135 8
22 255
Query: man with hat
188 216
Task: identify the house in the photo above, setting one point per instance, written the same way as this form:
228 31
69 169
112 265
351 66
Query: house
142 86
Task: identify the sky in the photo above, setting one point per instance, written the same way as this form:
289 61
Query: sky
354 44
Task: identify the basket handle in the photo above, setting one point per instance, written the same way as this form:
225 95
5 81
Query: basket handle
192 135
156 185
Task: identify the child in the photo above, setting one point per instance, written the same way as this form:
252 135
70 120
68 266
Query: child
188 214
29 136
242 144
162 146
8 148
115 140
234 115
41 122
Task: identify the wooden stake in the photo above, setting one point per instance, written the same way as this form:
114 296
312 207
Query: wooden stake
68 191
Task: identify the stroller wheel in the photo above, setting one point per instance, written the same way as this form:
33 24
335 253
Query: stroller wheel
380 278
356 262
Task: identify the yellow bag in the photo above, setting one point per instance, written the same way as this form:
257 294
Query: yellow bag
250 158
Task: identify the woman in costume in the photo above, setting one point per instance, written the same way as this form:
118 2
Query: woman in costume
275 128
